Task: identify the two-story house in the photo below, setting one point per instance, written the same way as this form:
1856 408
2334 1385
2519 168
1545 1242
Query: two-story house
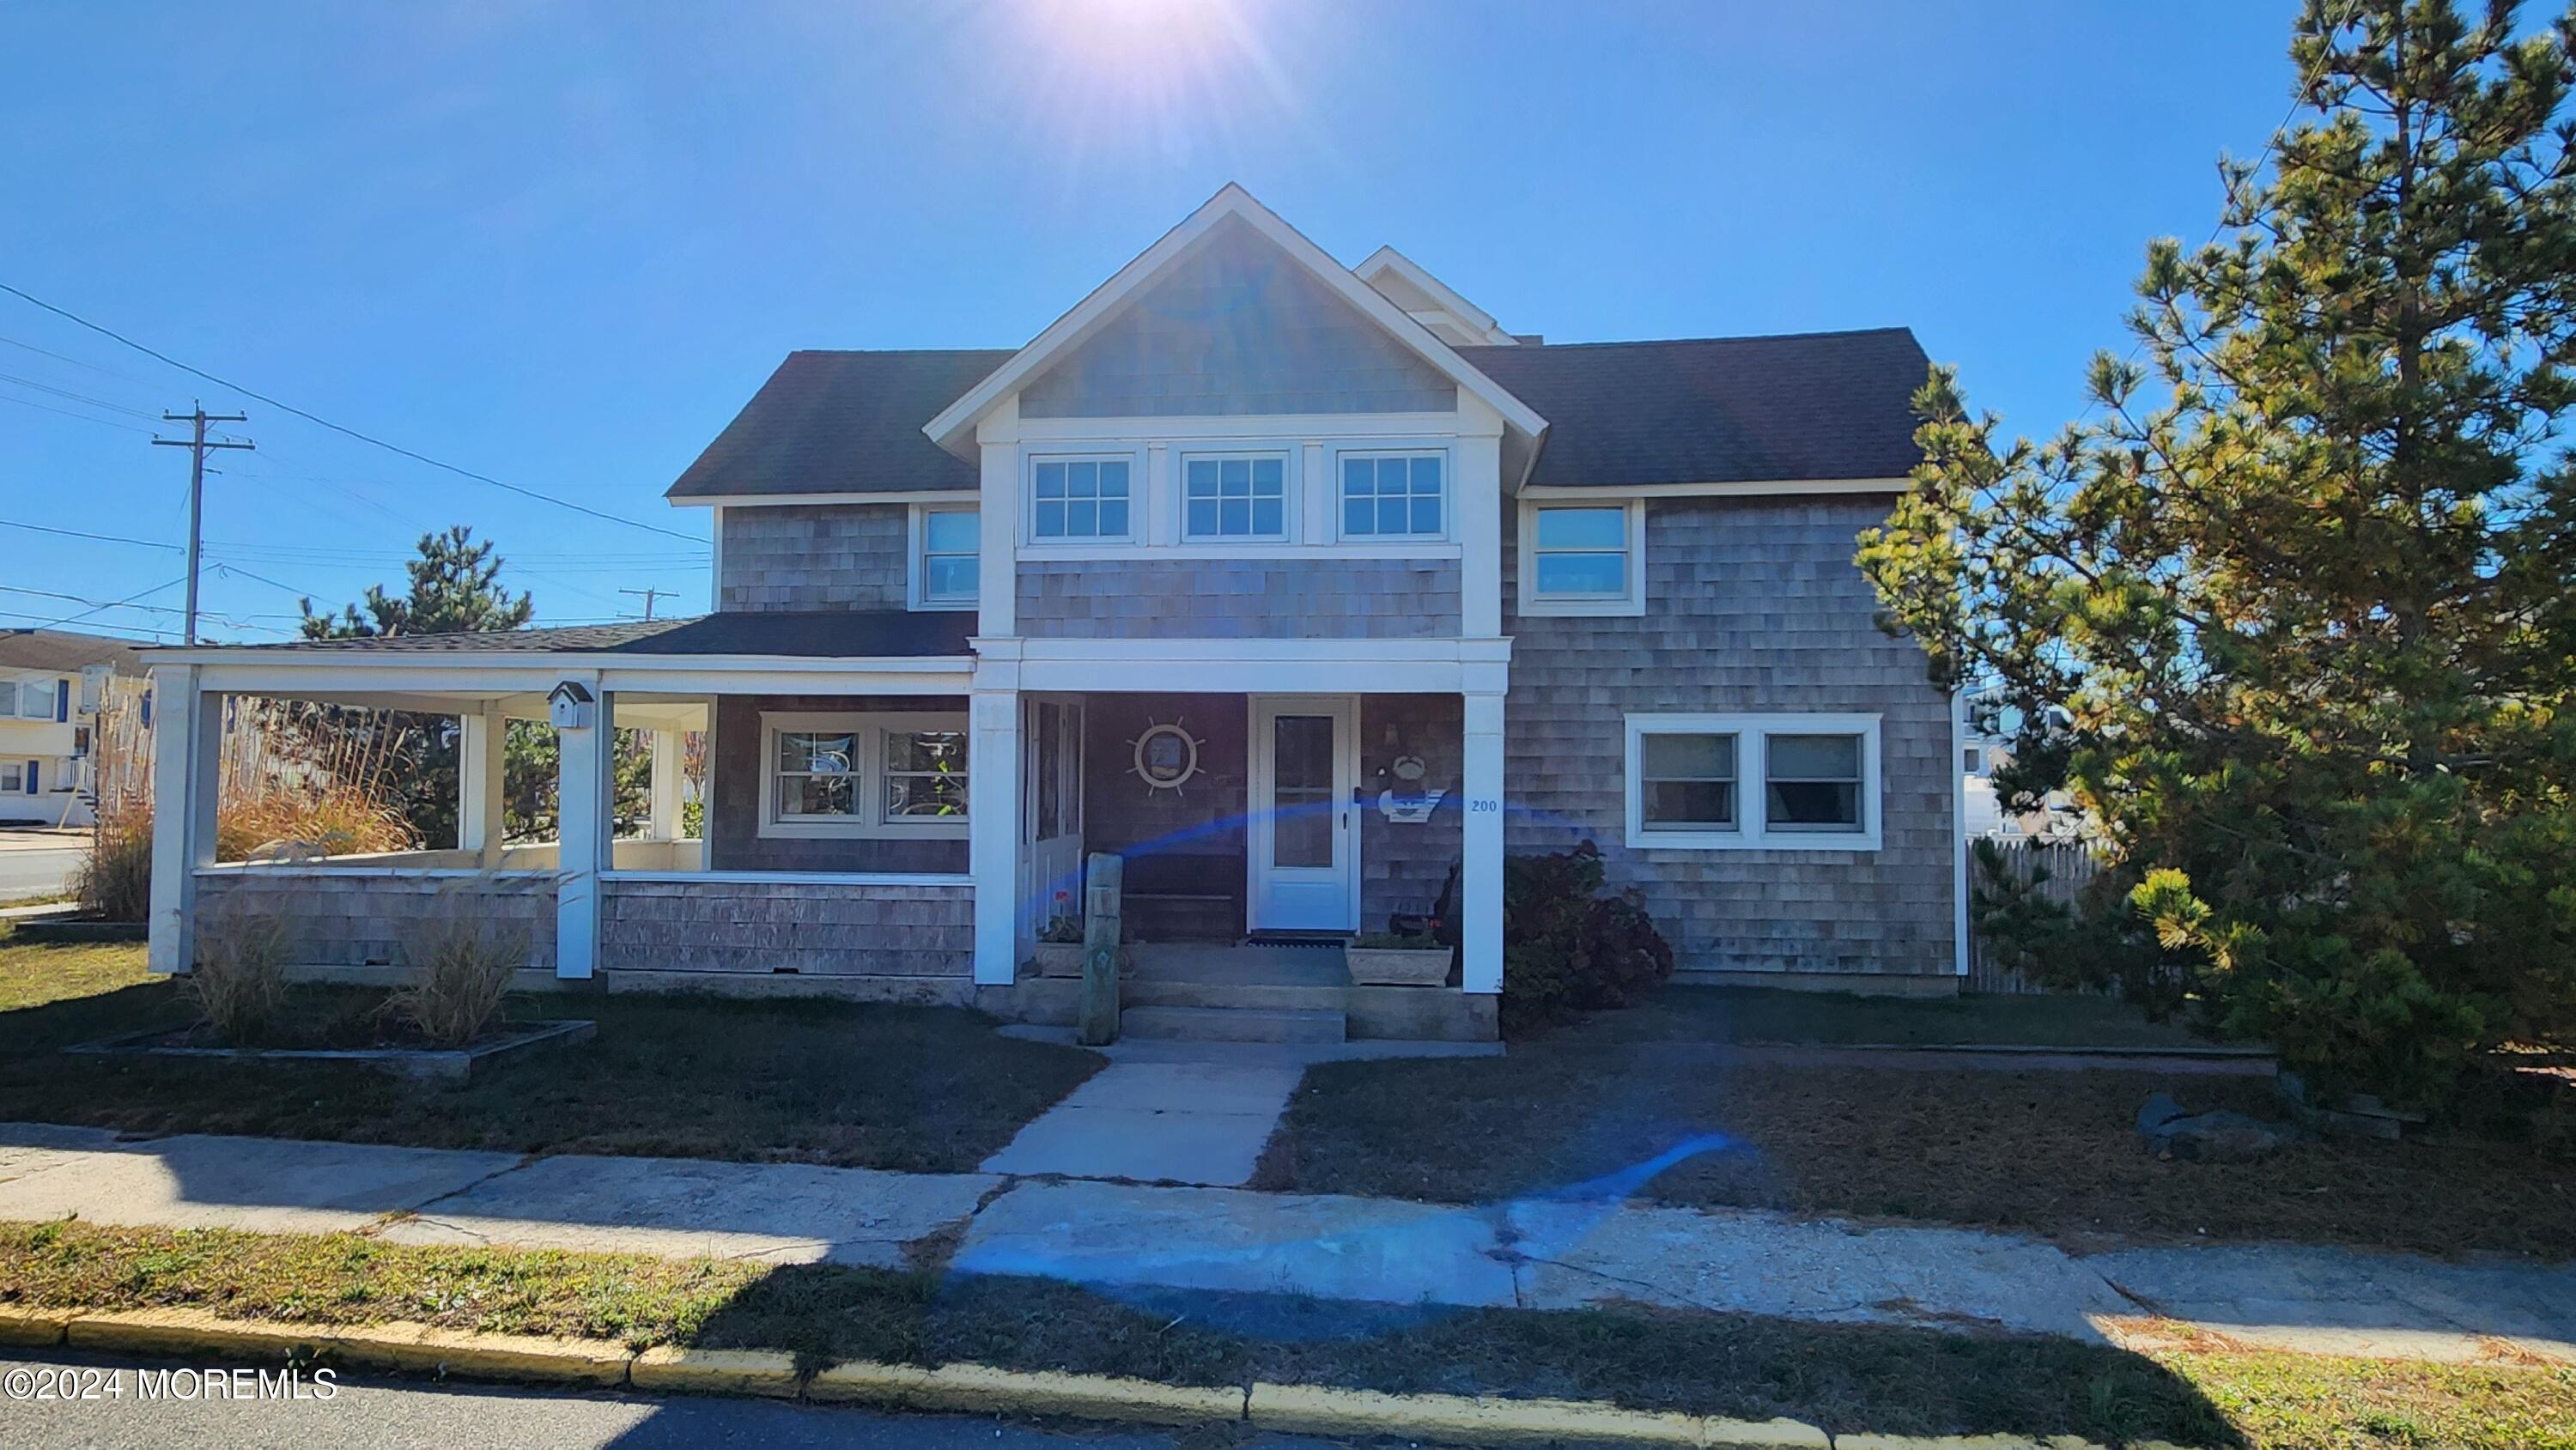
1308 590
51 684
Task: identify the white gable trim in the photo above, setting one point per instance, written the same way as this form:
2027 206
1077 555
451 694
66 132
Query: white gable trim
953 428
1466 314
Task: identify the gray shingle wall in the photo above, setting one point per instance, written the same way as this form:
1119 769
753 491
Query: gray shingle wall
1239 598
1237 328
814 556
767 927
734 842
357 921
1402 866
1752 605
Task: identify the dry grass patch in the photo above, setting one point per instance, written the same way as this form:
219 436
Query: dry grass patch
2044 1152
922 1089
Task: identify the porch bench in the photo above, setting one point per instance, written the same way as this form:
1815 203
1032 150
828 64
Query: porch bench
1174 897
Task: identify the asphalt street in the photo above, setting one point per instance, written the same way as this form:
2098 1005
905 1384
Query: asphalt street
374 1412
35 863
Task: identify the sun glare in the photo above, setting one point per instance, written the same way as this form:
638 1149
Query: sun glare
1188 79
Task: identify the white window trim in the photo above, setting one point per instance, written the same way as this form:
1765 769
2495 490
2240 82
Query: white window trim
1137 482
869 730
1752 796
1291 495
916 585
1628 606
1448 494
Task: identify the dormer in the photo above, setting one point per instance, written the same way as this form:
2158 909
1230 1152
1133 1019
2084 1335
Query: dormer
1427 300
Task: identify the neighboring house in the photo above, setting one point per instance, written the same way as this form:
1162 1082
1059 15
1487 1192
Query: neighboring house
1300 587
52 683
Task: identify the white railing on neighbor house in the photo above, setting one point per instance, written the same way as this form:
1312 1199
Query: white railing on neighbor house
2070 866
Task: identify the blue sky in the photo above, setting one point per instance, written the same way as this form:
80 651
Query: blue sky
560 244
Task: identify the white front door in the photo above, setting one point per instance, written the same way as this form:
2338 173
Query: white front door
1305 857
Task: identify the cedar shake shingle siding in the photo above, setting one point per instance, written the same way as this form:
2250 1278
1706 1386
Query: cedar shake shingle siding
832 930
814 556
1404 864
1238 328
1752 605
1151 598
362 921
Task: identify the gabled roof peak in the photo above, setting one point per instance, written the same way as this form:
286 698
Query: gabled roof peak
1433 303
954 428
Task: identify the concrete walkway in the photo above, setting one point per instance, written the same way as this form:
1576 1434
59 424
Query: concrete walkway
1180 1112
1149 1243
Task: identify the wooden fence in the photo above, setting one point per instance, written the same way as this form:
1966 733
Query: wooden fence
2070 866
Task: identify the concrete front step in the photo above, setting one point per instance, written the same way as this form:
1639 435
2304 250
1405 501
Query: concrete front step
1232 1024
1135 992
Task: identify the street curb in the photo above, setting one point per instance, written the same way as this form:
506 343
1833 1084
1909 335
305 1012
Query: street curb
960 1388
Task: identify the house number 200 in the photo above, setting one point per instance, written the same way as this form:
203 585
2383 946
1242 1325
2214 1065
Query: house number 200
1480 807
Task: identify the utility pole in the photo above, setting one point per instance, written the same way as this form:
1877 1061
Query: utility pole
197 447
648 596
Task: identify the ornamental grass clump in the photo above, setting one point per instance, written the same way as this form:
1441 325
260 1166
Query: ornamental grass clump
114 878
460 965
238 983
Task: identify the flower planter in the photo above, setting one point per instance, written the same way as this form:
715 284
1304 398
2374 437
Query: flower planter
1398 966
1064 958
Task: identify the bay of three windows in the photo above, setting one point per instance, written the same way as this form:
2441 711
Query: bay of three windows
1242 497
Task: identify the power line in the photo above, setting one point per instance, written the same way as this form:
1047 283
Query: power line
648 595
83 534
115 604
315 418
75 397
68 413
237 621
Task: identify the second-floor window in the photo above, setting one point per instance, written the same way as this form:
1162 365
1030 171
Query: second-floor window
946 553
1392 496
1234 496
1583 558
1079 498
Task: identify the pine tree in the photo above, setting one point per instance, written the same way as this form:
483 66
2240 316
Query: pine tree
2292 614
455 589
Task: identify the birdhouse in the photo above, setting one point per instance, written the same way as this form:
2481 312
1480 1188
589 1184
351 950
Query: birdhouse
570 706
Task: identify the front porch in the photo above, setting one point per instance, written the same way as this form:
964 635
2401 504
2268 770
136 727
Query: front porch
896 827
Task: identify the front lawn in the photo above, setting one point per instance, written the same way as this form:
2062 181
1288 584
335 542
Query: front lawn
925 1089
2045 1152
1848 1379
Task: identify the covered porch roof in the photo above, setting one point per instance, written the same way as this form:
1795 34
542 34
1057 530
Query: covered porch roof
834 651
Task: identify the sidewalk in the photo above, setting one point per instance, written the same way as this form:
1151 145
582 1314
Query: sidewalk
1538 1253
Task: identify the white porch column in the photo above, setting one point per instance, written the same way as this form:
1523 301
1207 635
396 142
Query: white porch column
1479 455
1480 875
586 824
665 818
993 831
187 746
480 815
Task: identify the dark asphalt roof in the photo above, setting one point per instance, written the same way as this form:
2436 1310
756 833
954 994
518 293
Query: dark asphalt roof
816 634
66 650
1719 409
1694 410
843 422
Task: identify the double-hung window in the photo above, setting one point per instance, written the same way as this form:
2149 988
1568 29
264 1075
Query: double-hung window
946 547
1786 782
1583 558
1234 496
1393 496
1079 498
864 775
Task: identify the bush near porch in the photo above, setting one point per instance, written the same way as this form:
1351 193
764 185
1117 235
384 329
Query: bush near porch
921 1089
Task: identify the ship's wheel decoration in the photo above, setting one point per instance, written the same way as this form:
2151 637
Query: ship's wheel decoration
1167 756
